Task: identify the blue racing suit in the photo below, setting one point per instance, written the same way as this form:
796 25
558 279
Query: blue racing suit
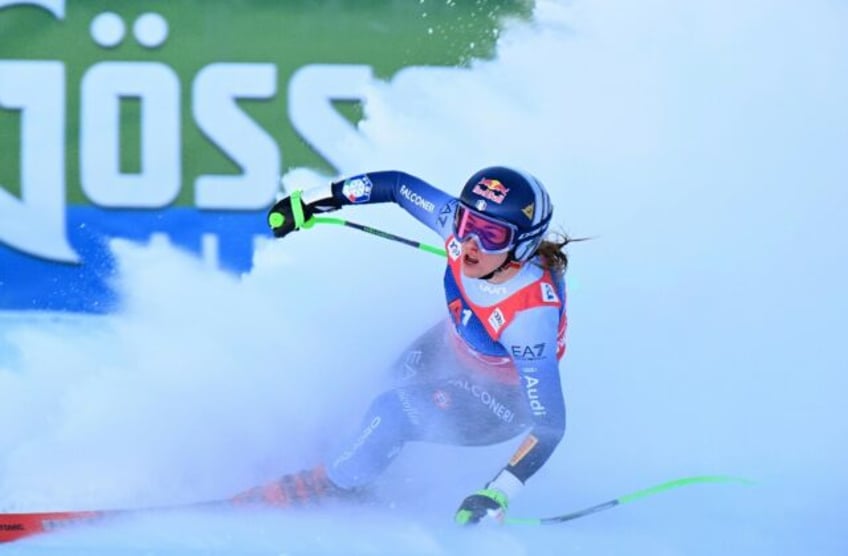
484 375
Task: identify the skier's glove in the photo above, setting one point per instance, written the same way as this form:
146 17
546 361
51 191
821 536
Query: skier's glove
294 212
488 503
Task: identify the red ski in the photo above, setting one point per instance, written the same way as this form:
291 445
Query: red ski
18 526
294 490
281 493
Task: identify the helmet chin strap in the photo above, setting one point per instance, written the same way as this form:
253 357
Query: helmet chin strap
506 264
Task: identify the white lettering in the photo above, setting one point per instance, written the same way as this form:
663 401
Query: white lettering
492 288
408 408
56 7
36 223
157 86
533 395
466 316
537 408
486 398
312 90
37 89
369 430
416 199
217 114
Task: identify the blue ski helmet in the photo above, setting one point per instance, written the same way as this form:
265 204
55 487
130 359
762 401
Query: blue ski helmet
514 197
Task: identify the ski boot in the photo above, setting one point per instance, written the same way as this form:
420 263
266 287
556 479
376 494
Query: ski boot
304 488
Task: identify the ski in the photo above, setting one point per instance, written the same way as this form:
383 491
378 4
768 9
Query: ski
17 526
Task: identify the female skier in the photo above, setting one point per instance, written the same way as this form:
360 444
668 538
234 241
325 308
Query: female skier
487 373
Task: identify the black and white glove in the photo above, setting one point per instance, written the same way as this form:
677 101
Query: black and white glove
294 212
488 503
491 503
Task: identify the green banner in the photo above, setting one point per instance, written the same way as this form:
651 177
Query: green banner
178 63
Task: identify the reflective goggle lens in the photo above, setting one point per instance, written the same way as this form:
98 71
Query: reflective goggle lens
492 236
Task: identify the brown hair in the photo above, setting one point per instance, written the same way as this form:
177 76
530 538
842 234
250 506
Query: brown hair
552 253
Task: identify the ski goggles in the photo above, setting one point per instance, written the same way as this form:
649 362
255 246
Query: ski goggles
493 236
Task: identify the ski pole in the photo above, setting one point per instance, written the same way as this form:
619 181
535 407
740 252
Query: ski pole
374 231
627 498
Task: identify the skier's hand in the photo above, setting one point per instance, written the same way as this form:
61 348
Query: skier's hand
295 211
288 214
488 503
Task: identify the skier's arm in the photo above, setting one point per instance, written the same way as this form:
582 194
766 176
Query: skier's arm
428 204
531 340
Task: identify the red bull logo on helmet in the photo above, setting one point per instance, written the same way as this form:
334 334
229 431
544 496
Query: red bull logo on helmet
492 190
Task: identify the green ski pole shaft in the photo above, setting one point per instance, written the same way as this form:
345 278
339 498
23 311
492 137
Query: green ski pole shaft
377 232
627 498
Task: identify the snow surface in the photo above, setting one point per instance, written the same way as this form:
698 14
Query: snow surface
703 144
